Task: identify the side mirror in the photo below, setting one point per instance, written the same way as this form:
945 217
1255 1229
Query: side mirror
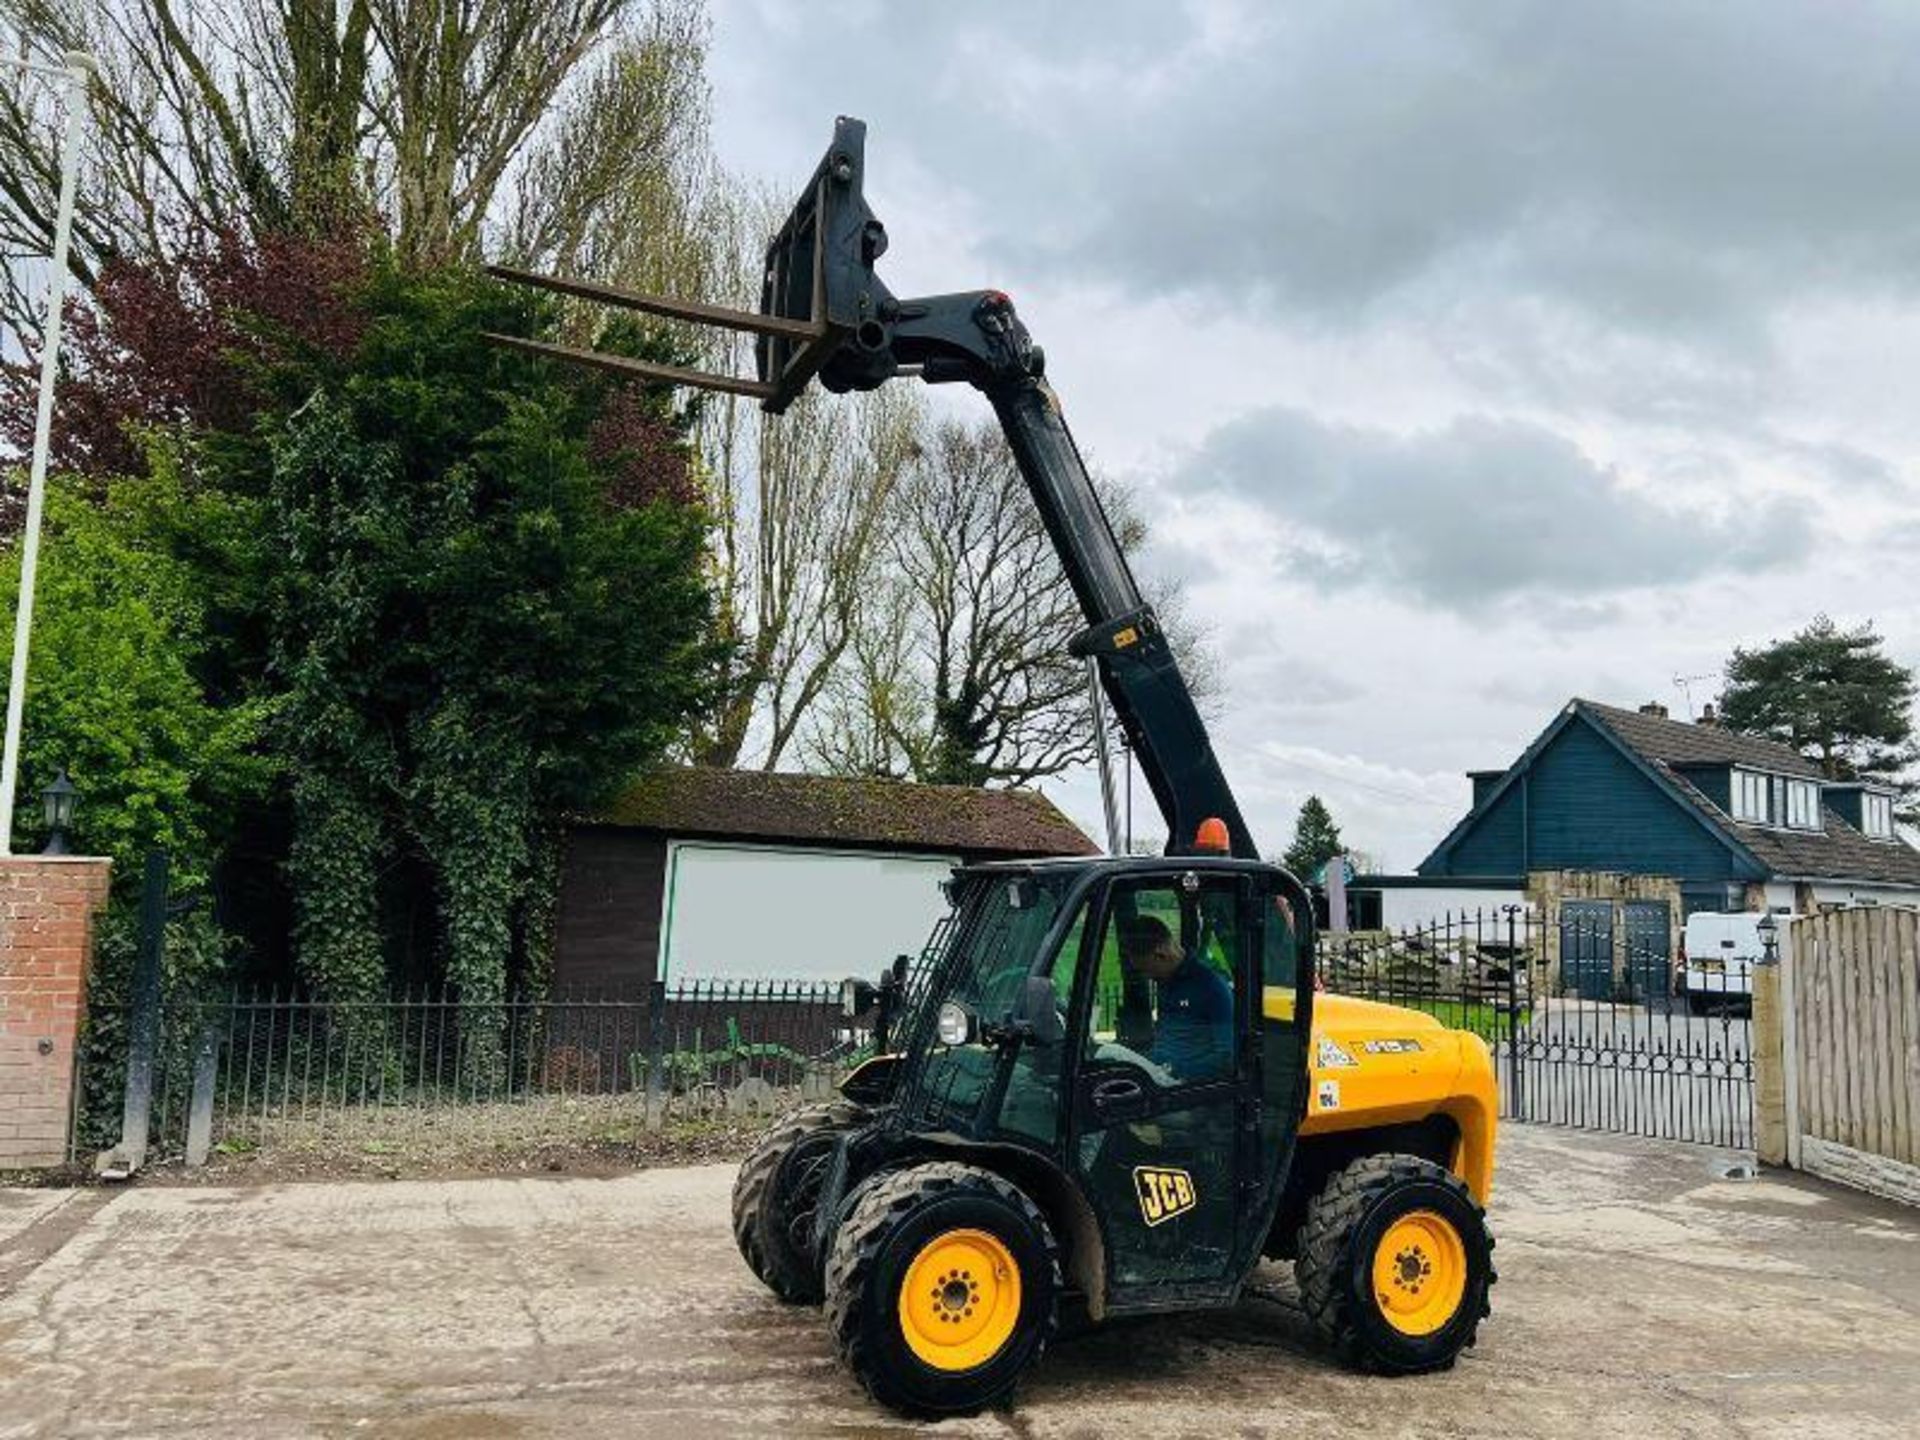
856 997
1038 1015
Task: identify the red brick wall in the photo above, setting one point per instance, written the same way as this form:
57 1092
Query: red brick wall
47 906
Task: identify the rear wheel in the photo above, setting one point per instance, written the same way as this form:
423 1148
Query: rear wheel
775 1194
1395 1264
942 1288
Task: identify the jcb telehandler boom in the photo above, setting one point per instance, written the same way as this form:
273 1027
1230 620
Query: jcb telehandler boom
1110 1080
826 313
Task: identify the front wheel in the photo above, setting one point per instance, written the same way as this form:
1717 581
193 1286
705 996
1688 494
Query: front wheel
775 1192
1395 1265
942 1288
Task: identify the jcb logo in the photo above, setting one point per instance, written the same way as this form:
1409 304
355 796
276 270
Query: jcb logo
1163 1193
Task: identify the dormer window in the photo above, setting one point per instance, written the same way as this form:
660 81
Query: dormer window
1803 805
1876 816
1776 800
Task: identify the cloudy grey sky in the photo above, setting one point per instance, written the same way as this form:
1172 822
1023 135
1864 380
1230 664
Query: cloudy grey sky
1466 357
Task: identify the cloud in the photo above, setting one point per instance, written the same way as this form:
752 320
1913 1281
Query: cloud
1675 171
1668 244
1849 468
1481 511
1660 166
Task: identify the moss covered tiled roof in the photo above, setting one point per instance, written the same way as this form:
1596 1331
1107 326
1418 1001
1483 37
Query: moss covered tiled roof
820 809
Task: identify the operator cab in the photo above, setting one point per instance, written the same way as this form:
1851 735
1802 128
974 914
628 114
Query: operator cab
1138 1024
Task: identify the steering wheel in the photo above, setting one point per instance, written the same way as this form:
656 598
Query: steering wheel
1114 1052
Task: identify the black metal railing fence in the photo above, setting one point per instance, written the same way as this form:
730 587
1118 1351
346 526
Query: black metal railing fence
256 1068
1589 1025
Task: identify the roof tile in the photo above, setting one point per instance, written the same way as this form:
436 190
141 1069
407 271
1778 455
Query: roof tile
1839 852
770 805
1679 742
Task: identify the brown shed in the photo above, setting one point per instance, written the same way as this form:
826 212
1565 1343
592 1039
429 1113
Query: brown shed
701 873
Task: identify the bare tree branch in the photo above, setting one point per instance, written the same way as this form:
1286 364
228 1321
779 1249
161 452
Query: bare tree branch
963 677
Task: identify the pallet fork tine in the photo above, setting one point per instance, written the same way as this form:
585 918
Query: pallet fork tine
635 369
696 311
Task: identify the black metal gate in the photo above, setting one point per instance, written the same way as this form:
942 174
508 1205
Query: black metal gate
1586 948
1585 1032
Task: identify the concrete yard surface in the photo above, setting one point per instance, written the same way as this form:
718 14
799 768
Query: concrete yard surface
1641 1294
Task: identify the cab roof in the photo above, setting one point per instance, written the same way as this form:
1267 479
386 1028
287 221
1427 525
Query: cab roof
1123 865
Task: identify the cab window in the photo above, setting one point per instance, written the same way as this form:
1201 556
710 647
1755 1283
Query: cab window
1164 988
1032 1104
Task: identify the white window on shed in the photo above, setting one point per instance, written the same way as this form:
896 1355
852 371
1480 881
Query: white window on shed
758 912
1876 816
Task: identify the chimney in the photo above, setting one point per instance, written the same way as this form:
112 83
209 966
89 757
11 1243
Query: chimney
1708 715
1655 709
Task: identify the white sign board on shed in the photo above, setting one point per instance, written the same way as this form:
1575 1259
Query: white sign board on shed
762 912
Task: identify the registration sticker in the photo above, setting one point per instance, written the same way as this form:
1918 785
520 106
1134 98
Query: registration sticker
1328 1095
1332 1055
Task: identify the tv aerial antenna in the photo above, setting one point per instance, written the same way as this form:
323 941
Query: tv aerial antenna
1685 683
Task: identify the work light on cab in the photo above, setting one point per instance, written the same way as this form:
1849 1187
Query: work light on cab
954 1025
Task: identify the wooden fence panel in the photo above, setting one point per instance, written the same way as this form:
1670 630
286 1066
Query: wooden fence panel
1889 1057
1806 1017
1908 938
1855 993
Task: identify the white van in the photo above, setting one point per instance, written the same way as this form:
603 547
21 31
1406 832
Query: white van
1714 969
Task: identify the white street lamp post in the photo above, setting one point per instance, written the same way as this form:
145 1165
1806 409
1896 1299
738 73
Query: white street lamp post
78 69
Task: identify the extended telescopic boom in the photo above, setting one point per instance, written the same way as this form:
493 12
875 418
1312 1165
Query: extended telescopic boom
825 313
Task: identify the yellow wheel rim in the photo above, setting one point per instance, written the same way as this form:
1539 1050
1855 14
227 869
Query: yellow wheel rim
1420 1273
960 1301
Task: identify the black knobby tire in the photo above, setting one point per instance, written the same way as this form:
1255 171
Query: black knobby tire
899 1214
764 1218
1344 1225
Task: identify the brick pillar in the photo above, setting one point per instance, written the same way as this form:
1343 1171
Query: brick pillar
47 905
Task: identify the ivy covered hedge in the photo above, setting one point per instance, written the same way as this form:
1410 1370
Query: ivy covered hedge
345 613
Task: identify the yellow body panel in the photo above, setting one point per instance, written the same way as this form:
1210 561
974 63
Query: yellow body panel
1372 1064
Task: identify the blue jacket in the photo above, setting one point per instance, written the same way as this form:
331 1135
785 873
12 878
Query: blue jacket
1194 1035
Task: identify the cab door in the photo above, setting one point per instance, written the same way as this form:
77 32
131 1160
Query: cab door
1165 1101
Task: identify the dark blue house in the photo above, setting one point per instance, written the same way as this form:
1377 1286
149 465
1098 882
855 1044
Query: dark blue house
1650 819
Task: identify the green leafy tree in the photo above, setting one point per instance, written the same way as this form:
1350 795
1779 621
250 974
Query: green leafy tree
1316 839
1834 695
114 688
488 614
116 695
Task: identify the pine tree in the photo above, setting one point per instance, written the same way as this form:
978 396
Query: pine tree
1316 839
1834 695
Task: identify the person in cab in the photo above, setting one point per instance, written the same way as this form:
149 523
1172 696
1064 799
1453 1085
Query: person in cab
1193 1023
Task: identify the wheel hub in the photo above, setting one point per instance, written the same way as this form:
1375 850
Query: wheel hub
1414 1267
960 1299
1420 1273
